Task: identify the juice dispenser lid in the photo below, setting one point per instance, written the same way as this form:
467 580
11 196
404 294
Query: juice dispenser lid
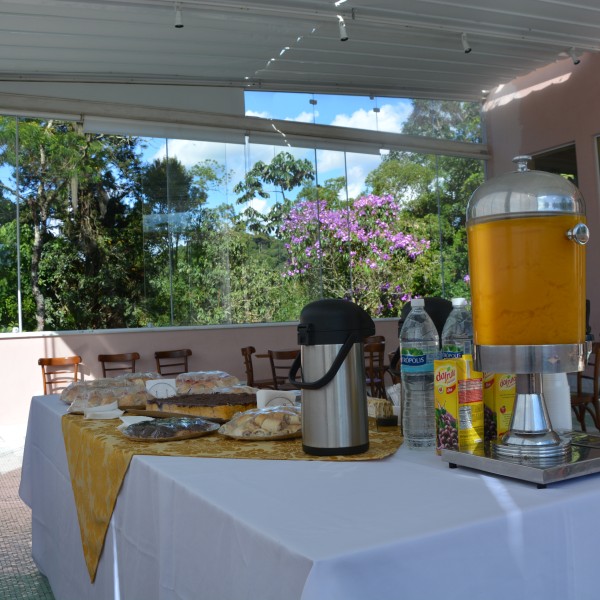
332 321
523 193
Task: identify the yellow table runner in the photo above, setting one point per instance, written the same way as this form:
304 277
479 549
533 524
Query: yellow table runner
98 456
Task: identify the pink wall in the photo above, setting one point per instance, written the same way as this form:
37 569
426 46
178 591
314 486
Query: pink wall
551 107
213 348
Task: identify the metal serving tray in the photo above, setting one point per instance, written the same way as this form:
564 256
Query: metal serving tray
584 460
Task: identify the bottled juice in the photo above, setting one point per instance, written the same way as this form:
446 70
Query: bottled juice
527 281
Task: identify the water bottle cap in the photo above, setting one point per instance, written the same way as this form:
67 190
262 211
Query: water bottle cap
459 301
415 302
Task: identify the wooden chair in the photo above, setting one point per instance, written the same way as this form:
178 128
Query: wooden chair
121 362
375 368
584 401
394 366
281 361
57 372
247 353
172 362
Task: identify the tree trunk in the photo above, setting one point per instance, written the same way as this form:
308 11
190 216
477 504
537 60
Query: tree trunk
36 257
39 213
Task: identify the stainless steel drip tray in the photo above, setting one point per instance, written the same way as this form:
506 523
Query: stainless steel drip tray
584 460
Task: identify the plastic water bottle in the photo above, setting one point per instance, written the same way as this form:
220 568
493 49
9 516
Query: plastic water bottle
419 347
457 335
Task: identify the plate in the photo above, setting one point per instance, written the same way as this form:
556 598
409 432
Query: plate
262 438
169 430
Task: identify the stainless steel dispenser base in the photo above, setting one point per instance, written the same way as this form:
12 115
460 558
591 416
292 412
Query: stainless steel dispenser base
530 435
583 459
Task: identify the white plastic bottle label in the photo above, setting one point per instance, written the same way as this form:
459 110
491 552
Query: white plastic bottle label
414 361
451 352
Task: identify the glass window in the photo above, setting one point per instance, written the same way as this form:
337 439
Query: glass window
125 231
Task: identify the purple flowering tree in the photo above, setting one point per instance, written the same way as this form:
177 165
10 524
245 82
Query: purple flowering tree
359 248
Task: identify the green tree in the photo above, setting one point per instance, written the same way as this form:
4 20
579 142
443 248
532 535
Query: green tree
75 189
285 173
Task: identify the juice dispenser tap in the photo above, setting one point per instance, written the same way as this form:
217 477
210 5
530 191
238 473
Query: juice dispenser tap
526 235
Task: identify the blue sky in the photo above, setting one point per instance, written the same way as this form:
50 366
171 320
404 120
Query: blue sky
346 111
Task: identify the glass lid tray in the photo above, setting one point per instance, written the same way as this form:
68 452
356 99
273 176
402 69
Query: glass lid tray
584 460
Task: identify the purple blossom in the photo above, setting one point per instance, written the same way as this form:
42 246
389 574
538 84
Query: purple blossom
362 235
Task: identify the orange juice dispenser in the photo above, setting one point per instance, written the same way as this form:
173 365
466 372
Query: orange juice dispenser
526 233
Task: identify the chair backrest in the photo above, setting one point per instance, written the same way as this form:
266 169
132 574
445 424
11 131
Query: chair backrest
172 362
118 362
281 361
591 372
372 339
247 353
58 372
374 353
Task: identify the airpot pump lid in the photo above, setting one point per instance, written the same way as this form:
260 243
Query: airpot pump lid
331 321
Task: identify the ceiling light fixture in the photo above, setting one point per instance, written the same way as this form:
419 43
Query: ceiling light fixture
574 56
342 26
178 16
465 43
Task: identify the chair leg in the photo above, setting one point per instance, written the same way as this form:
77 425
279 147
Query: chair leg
582 412
580 416
594 410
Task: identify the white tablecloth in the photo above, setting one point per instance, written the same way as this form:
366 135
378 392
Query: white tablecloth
406 527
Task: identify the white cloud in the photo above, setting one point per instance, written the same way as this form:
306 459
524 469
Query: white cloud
190 152
304 117
263 114
331 164
359 119
390 118
260 205
328 160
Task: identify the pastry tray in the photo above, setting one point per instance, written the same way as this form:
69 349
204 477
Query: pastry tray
584 460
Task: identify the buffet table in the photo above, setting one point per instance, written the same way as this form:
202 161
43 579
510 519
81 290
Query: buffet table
404 527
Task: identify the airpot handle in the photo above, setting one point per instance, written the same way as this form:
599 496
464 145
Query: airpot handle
328 377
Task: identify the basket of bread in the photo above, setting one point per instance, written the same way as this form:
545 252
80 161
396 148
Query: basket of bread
270 423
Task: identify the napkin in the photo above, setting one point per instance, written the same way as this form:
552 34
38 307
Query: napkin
105 411
266 398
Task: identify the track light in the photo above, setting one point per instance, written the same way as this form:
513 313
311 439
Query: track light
574 56
465 43
178 17
342 26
